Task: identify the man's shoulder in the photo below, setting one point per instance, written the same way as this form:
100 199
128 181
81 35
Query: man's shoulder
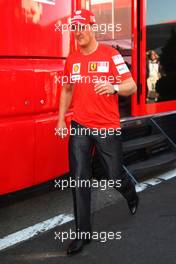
108 49
72 56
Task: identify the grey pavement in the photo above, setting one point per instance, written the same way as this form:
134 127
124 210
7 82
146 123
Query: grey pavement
149 237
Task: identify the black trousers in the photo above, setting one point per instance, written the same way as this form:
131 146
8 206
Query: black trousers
80 156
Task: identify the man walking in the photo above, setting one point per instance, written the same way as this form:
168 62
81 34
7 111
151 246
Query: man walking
95 107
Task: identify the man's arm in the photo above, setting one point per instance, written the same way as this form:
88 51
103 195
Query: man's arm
127 87
65 101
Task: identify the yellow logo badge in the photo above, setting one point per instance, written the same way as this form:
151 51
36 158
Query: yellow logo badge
76 68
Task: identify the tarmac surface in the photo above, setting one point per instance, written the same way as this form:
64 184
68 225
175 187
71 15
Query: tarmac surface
149 237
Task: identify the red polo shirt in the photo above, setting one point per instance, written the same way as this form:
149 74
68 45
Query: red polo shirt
90 109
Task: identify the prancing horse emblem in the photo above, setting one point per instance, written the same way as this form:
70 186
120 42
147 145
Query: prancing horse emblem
93 66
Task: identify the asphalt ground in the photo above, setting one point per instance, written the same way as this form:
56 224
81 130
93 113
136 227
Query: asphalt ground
149 237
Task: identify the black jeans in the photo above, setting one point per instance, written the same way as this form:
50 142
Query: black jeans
80 156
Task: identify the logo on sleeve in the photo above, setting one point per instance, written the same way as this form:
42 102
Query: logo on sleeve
122 68
98 66
118 59
76 68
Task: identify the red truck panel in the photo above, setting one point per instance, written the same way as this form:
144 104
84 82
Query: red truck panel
46 84
29 86
28 28
16 154
30 153
51 152
17 87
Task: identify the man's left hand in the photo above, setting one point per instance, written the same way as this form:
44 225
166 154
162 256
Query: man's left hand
104 87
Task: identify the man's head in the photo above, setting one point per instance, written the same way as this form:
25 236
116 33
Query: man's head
153 55
81 24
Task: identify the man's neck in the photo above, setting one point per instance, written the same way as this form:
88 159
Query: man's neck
89 48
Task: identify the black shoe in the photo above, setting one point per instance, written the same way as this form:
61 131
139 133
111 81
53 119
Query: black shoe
77 245
133 205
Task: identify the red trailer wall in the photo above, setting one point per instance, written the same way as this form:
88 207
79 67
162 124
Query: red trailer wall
31 57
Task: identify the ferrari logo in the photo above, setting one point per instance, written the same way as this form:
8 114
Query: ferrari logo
93 66
98 66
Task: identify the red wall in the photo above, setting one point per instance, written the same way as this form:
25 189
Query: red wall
31 57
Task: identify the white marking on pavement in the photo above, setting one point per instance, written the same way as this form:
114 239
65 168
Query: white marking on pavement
141 187
41 227
34 230
168 175
152 181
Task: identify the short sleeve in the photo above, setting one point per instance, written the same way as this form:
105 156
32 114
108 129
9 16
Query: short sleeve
66 73
118 66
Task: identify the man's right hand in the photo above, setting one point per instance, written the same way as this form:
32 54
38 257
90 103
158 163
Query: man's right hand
61 129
